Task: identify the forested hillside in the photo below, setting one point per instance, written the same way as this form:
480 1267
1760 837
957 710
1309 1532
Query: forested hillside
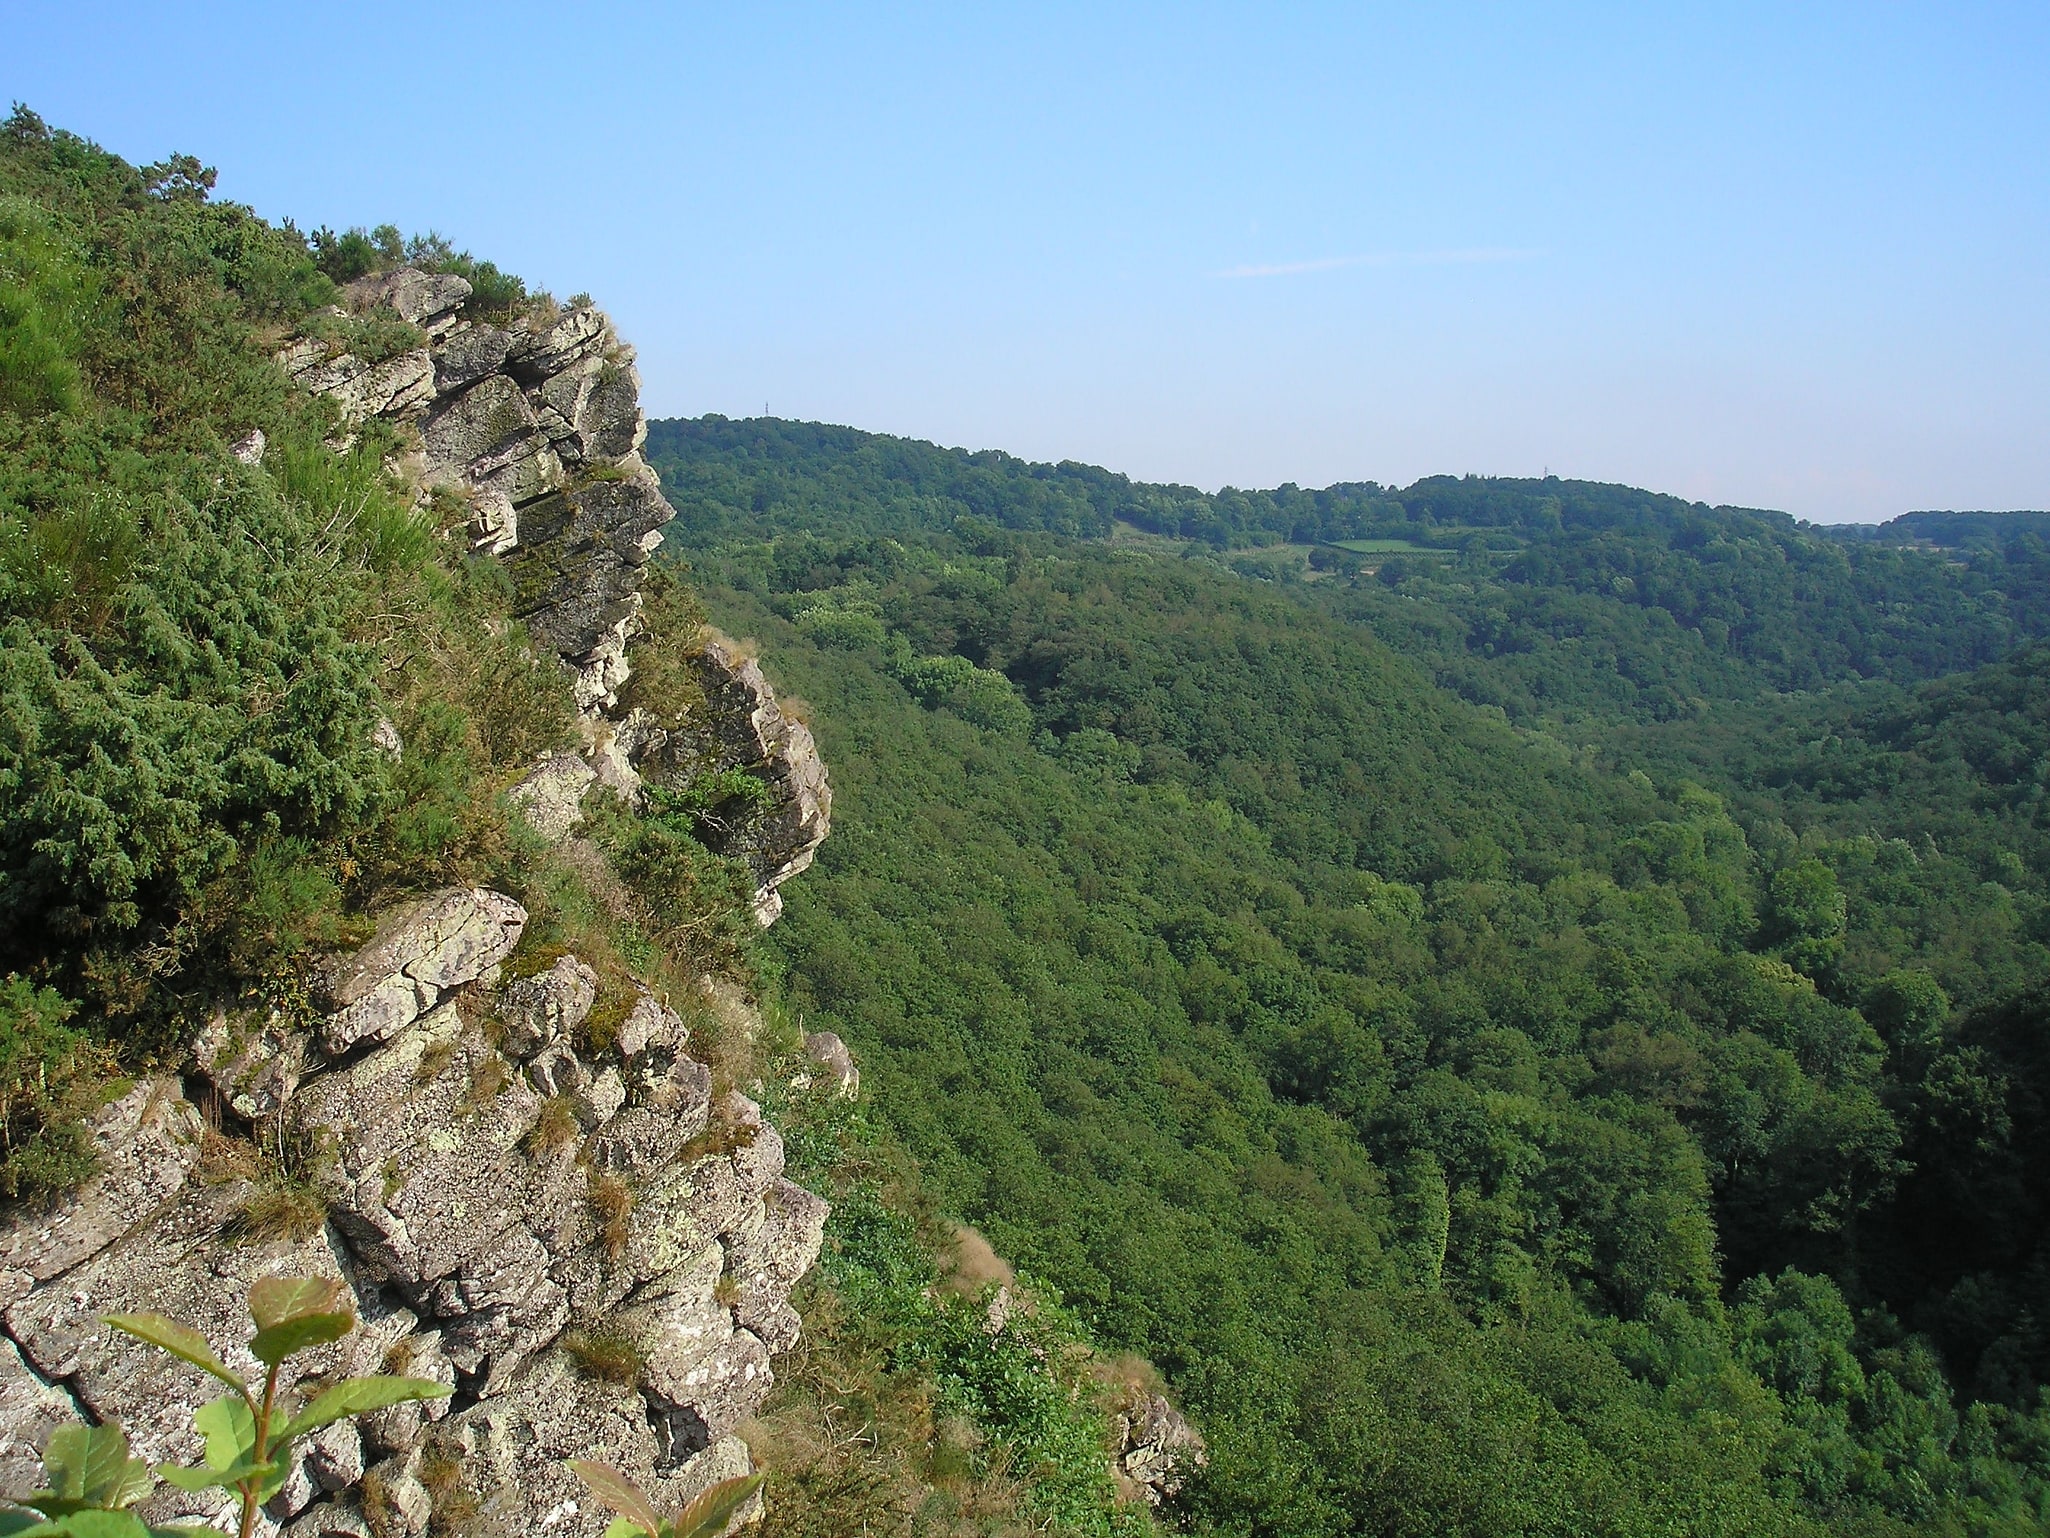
1513 1060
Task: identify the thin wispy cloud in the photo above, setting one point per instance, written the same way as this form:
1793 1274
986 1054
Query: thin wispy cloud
1450 258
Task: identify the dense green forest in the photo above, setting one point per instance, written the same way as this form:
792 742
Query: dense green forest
1522 998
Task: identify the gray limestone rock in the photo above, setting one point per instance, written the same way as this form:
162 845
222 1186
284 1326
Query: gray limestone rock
644 1138
422 949
146 1143
254 1060
464 428
541 1009
469 353
744 728
249 447
182 1264
426 1169
829 1054
551 797
515 1444
576 335
768 1261
649 1024
30 1410
420 298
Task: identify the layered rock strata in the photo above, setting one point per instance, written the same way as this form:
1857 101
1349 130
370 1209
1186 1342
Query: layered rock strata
535 420
508 1195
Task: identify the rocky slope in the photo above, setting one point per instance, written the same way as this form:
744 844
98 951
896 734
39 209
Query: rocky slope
547 1208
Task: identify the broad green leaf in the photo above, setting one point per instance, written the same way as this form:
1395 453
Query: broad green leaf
618 1492
89 1466
358 1396
230 1431
707 1516
275 1300
621 1528
195 1480
180 1340
95 1524
271 1346
18 1520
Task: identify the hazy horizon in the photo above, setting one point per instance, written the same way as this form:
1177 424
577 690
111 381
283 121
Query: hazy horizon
1777 260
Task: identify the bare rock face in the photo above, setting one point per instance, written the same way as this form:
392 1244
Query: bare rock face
1157 1447
421 950
538 422
147 1142
471 1242
745 728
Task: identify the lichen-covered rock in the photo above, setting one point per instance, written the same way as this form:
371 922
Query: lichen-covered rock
578 334
253 1060
422 949
146 1144
471 353
186 1264
394 388
829 1054
1157 1447
745 728
551 796
541 1009
420 298
30 1410
424 1136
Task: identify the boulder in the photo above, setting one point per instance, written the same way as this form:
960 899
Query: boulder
828 1053
422 949
420 298
551 797
253 1060
574 336
539 1010
743 727
469 354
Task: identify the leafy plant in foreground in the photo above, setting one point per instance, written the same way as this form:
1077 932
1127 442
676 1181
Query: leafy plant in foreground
92 1482
706 1516
248 1438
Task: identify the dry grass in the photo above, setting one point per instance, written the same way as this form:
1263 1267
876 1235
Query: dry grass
454 1505
612 1203
857 1448
490 1077
608 1355
972 1263
556 1126
279 1211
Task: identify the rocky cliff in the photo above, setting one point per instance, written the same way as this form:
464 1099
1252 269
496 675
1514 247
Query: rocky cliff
534 422
532 1191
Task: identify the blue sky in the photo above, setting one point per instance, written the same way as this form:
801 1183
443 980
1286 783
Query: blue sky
1787 256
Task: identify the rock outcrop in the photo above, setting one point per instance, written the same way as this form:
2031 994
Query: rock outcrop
535 421
500 1187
